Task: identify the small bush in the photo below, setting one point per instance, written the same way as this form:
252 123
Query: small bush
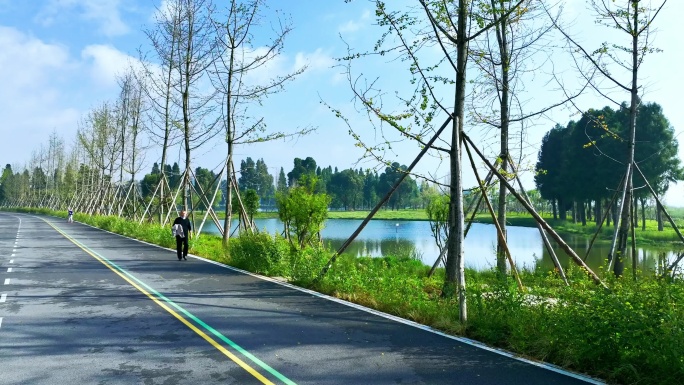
259 253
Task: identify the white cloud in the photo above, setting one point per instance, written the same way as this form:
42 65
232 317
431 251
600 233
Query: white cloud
27 61
355 25
162 12
104 12
281 65
36 73
314 61
350 26
46 89
107 63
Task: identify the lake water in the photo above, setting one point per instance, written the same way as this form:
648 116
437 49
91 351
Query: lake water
383 237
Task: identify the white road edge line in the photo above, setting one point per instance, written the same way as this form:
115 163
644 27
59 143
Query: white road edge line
0 322
3 298
467 341
9 269
7 281
11 260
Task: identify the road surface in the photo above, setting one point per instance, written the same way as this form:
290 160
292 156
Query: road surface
83 306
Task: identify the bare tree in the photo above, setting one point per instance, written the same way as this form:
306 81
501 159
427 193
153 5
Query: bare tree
240 54
160 83
130 111
99 138
518 47
446 25
611 61
195 44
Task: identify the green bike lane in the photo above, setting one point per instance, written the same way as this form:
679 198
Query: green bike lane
87 306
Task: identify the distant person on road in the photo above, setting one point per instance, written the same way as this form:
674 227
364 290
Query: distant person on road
181 230
70 218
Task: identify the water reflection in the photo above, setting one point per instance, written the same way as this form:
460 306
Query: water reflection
413 238
398 247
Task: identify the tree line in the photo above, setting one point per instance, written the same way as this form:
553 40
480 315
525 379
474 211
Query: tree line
579 166
349 189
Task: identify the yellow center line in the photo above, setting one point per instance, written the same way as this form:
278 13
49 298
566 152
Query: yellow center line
187 323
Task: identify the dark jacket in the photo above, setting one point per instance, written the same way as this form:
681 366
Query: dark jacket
187 227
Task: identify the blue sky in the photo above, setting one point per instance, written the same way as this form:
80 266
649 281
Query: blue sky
61 57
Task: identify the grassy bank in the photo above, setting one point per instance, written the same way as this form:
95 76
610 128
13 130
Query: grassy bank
633 334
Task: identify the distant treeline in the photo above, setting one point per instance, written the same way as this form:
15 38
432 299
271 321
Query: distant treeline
584 161
349 189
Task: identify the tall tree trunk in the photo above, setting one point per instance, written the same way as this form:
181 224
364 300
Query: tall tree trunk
659 218
635 211
229 140
228 218
582 212
588 210
598 215
502 39
187 61
167 132
563 214
553 207
643 214
625 223
455 267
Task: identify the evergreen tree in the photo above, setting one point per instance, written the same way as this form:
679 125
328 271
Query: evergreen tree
248 175
5 181
282 182
301 167
370 186
346 189
265 188
549 170
404 193
207 180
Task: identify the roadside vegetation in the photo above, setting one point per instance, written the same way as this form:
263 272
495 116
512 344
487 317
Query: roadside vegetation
632 334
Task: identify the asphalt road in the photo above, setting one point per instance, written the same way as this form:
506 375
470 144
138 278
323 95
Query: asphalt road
83 306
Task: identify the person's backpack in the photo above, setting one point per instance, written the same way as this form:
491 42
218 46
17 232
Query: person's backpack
177 230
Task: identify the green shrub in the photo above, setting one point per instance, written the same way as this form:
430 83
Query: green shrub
259 253
305 265
208 246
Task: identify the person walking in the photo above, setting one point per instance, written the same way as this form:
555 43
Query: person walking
182 229
70 218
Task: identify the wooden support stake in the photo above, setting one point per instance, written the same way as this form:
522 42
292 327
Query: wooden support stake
502 236
544 238
377 207
473 212
603 219
618 223
538 218
667 215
